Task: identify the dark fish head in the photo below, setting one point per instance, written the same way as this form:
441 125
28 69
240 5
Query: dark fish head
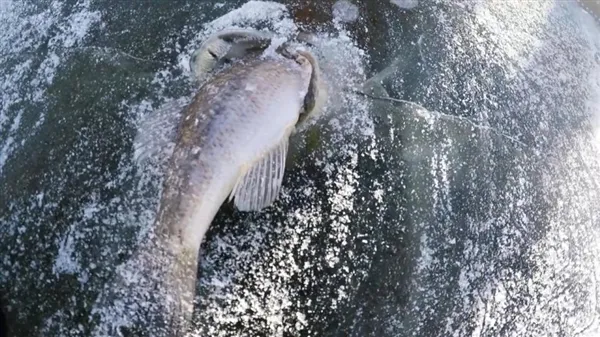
226 46
204 59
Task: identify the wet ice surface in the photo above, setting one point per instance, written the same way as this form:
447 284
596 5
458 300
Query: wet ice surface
476 216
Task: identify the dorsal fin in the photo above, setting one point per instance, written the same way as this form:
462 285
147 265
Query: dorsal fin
157 131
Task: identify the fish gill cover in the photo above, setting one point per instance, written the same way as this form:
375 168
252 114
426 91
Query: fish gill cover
470 210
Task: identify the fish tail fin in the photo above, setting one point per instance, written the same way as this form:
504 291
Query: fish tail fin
180 287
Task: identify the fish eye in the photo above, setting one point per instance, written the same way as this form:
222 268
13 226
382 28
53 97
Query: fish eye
211 53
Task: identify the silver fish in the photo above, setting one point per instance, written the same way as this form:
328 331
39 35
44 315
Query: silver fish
230 143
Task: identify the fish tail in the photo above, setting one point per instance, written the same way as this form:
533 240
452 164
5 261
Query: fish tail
180 286
152 294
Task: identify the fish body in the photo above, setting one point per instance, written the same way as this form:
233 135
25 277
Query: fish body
231 142
235 120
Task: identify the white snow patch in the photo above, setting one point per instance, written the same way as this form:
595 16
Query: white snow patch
345 11
65 262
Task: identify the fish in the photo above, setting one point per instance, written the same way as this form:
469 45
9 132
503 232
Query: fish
229 144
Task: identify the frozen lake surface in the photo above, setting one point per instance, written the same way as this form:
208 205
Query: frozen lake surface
467 207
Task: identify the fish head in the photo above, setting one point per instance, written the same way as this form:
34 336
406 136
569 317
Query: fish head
225 46
205 59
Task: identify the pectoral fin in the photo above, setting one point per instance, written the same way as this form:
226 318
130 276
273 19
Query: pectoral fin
259 186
